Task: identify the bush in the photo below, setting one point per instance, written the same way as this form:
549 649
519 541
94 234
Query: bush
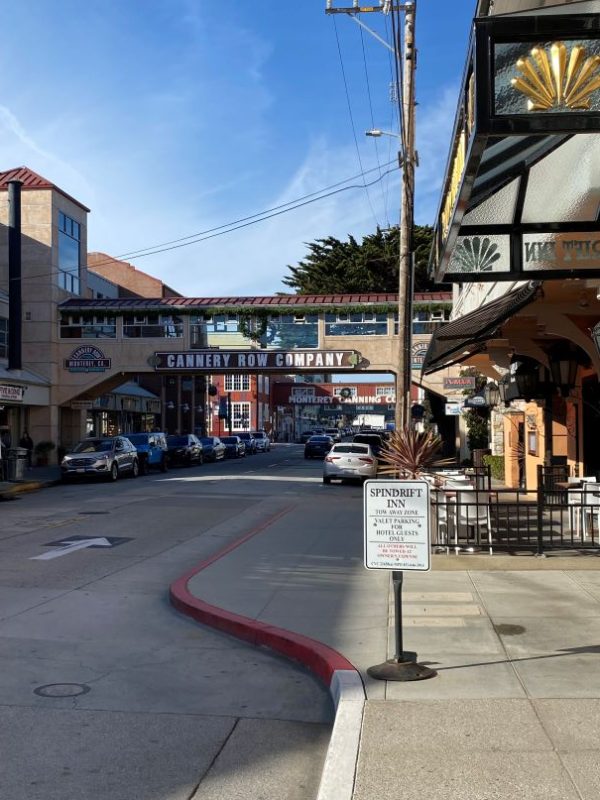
496 464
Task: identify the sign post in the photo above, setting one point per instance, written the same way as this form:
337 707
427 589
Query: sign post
398 538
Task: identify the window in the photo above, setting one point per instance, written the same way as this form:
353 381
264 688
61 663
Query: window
3 337
237 383
69 238
240 416
383 391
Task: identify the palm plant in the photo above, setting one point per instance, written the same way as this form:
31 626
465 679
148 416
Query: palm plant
408 453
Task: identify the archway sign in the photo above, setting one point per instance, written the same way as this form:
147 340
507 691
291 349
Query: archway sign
398 537
252 360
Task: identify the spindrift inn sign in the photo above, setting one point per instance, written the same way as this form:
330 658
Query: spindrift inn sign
256 360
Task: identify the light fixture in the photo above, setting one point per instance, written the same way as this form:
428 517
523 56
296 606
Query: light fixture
185 408
491 393
170 405
596 335
525 376
564 362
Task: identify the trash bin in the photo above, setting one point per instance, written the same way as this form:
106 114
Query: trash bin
16 464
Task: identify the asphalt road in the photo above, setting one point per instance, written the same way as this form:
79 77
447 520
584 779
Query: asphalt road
106 692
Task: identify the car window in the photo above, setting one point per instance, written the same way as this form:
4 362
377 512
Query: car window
94 446
178 441
229 439
320 439
362 449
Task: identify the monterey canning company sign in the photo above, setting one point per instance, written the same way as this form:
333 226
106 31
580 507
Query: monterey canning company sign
263 360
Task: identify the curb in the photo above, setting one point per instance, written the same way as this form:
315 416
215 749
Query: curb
24 487
338 674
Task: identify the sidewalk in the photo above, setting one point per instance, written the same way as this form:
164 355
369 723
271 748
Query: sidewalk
514 709
35 478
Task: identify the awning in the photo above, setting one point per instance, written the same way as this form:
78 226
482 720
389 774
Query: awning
466 335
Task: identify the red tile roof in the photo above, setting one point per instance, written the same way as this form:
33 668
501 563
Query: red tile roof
293 301
31 180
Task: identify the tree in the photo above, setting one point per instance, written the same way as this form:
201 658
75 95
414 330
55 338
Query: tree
335 267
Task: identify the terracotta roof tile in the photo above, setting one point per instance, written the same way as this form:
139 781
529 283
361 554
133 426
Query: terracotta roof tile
31 180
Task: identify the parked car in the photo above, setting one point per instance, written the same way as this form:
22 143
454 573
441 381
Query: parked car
373 439
152 450
104 456
213 448
235 447
349 460
263 442
318 446
185 450
250 442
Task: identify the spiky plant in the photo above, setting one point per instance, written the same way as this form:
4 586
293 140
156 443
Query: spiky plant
407 453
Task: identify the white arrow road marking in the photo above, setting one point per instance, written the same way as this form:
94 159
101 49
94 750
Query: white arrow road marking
70 547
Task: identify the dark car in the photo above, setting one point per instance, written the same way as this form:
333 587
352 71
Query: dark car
305 436
213 448
235 447
250 442
185 450
372 439
102 456
152 450
318 446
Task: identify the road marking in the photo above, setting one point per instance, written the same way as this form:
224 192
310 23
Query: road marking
71 547
433 622
245 477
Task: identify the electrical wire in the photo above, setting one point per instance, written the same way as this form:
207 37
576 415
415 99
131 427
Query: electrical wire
246 224
339 49
383 194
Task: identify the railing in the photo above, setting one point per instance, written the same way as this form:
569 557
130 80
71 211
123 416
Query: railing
159 330
89 331
512 520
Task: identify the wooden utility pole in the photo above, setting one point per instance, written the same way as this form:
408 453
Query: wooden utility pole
407 159
405 267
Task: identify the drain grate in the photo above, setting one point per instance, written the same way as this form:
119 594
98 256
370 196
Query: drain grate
62 689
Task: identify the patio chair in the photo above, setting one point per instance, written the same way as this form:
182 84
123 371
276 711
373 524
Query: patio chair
590 508
473 513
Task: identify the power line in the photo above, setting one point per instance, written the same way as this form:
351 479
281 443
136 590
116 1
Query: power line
339 49
383 194
245 222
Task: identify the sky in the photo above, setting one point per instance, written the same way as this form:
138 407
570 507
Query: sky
169 118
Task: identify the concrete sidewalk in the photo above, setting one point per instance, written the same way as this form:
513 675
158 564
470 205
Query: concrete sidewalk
514 710
35 478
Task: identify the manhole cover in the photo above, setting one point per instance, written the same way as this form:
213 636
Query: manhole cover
62 689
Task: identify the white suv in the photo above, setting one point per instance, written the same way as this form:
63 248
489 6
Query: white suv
263 443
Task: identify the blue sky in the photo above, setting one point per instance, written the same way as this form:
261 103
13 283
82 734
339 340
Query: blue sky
171 117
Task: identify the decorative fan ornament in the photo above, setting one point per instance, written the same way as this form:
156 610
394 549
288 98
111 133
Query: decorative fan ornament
476 255
550 82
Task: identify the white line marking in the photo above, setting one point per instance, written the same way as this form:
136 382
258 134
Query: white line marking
70 547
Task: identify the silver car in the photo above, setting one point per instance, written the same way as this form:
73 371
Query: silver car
263 443
103 456
349 461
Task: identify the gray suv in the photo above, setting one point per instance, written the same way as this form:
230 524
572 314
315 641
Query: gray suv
104 456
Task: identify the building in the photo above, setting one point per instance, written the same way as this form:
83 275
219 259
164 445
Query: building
518 233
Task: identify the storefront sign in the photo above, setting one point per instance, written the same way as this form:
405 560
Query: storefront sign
453 409
325 399
561 251
459 383
253 360
396 526
82 405
11 394
87 359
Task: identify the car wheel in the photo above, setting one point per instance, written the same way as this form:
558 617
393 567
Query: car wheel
164 466
114 472
326 479
135 468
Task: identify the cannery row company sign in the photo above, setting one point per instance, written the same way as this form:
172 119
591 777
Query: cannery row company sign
263 360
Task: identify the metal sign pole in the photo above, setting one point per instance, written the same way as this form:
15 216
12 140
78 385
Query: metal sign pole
397 534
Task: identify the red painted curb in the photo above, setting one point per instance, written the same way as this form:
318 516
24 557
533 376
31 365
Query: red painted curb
319 658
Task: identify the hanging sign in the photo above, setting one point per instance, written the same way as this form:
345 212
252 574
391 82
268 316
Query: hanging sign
11 394
396 525
263 360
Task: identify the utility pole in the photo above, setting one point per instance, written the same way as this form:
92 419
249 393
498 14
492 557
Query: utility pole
405 266
407 157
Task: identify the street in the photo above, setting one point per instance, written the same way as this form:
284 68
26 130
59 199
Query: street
105 690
